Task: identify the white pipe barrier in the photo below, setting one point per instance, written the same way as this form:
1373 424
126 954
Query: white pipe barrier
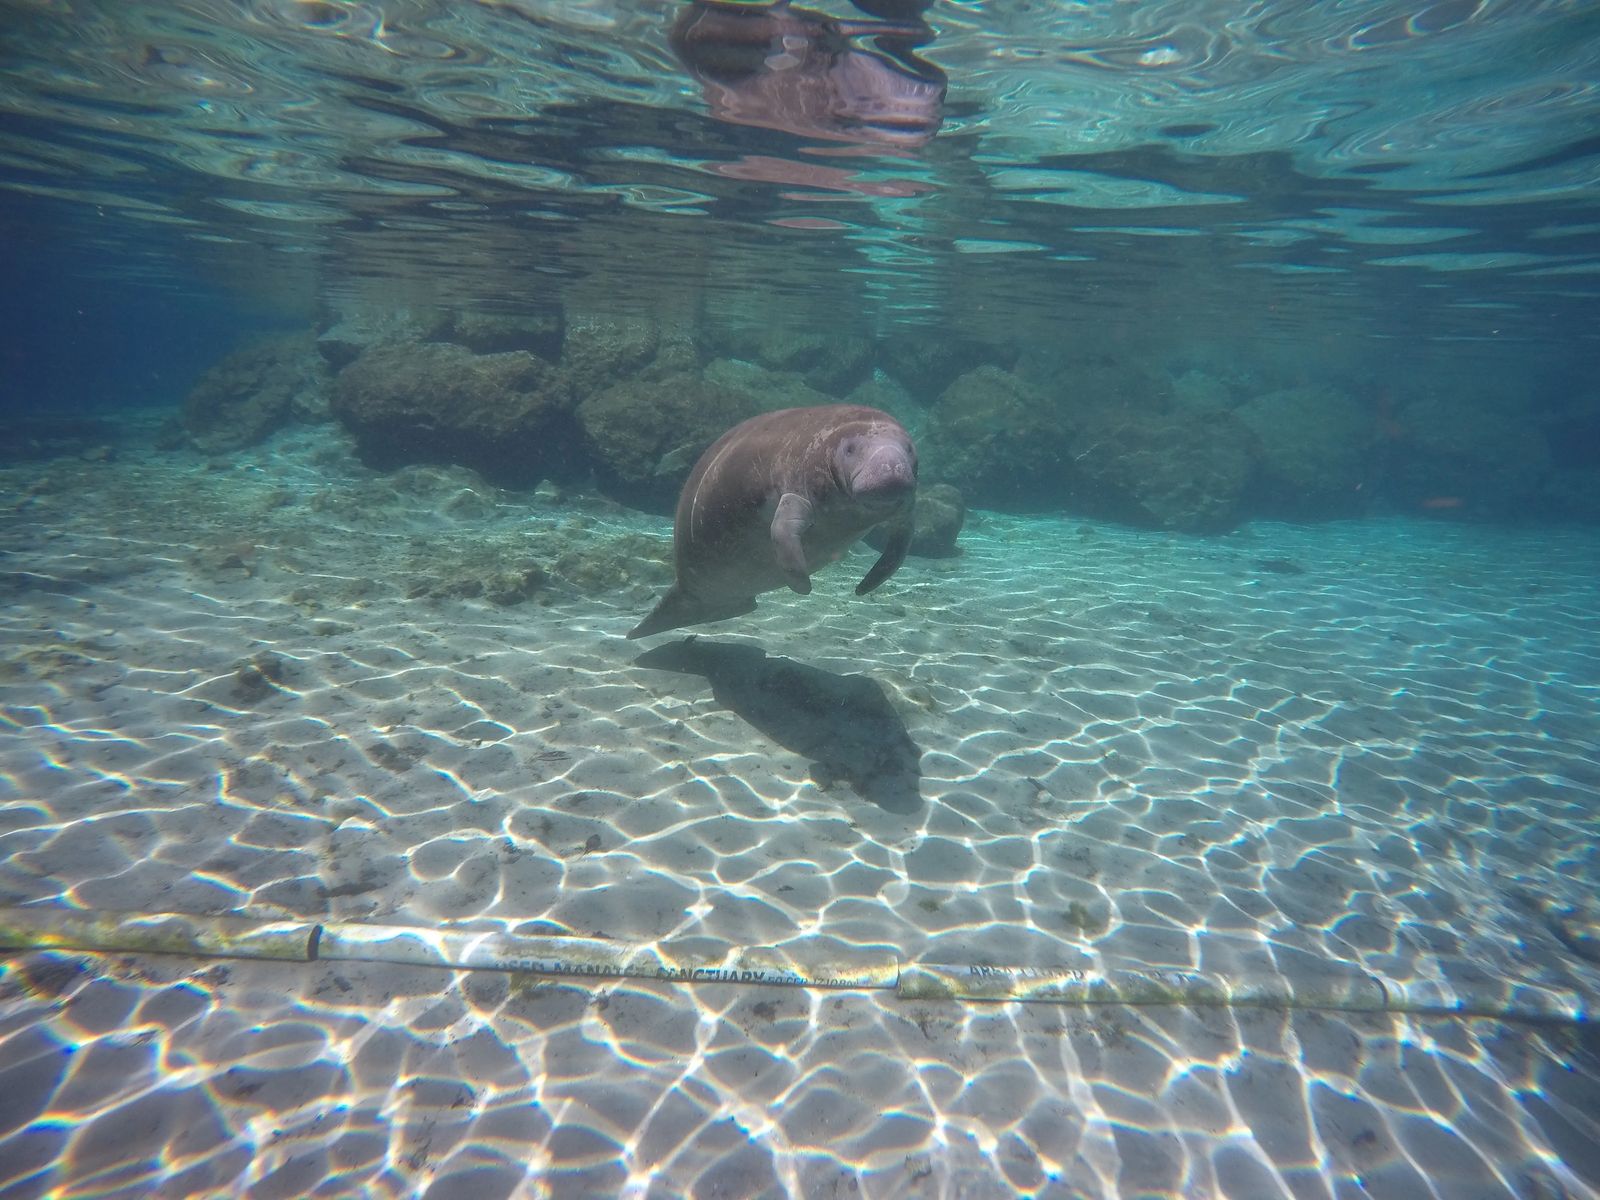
596 958
593 958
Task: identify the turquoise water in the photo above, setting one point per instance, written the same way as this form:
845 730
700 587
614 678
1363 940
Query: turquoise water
1341 171
1215 817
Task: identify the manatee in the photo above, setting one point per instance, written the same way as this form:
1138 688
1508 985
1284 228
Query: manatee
780 496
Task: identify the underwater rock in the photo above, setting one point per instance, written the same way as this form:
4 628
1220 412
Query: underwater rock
926 364
497 333
997 439
677 350
600 351
342 341
253 392
645 434
938 515
1315 446
767 390
830 364
1098 383
507 415
1179 470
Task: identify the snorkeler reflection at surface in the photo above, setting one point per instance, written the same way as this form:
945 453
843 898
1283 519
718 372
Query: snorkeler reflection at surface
802 72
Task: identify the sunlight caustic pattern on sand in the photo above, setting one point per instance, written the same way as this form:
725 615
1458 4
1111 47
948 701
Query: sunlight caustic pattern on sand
1290 751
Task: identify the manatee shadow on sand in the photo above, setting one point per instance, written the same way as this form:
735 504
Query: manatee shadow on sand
844 724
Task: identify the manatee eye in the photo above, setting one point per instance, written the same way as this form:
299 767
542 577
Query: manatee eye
849 449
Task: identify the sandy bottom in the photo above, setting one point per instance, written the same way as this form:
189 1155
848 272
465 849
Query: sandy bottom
261 685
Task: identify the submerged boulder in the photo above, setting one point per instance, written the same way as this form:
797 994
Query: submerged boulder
1315 447
1174 470
832 364
936 521
767 390
496 333
254 391
925 364
600 351
344 338
644 435
505 415
997 439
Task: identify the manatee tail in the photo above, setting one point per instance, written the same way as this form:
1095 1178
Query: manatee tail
678 608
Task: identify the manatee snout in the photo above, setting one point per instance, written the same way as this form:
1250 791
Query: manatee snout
882 468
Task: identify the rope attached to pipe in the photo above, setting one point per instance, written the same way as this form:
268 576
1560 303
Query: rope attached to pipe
1355 990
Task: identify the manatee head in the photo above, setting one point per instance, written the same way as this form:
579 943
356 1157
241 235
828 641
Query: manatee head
876 465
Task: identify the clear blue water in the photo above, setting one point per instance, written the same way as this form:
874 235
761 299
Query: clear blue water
1333 172
1260 339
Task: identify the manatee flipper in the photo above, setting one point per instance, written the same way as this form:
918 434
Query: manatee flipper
678 608
894 553
791 520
